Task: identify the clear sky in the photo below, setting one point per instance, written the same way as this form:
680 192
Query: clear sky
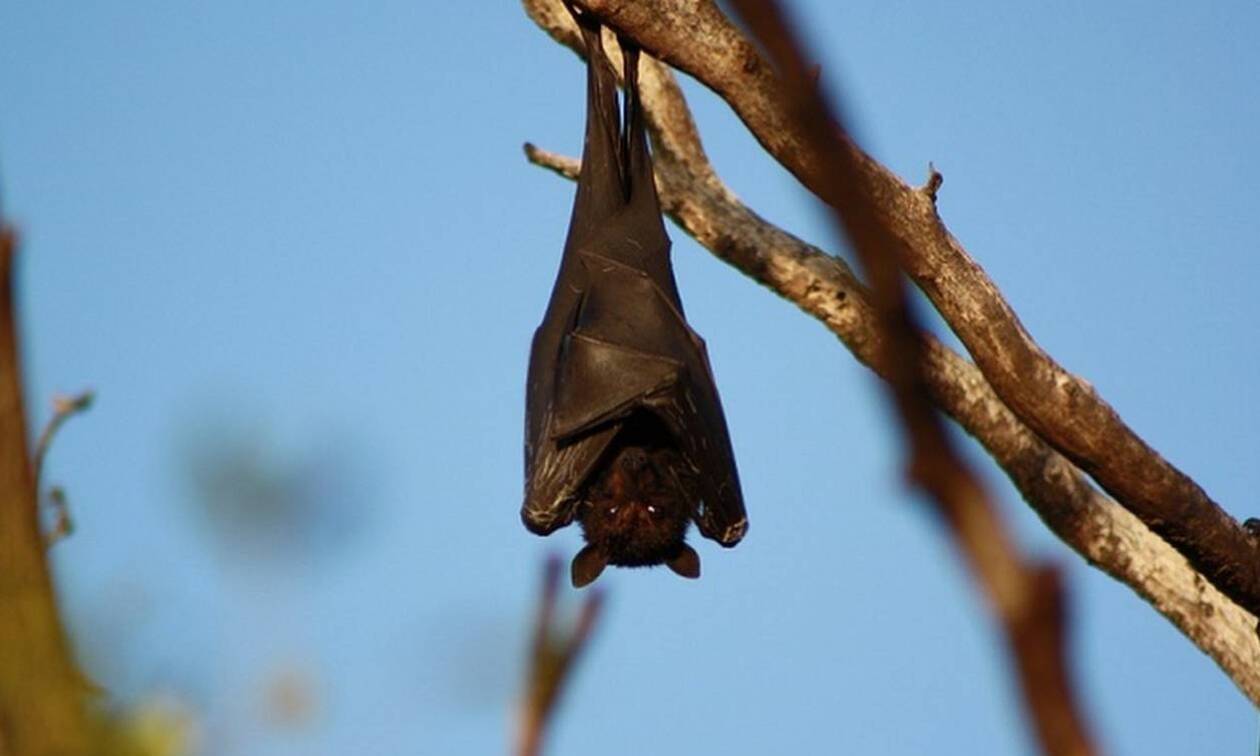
296 249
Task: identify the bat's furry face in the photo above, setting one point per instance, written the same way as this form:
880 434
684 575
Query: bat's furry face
637 511
638 506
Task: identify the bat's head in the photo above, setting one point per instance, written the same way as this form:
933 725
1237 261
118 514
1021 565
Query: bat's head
637 507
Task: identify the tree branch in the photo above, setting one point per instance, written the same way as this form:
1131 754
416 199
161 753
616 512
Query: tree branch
694 36
552 656
1025 597
823 286
42 693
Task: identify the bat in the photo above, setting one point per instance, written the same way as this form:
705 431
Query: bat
624 431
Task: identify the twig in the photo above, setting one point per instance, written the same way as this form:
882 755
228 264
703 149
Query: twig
552 656
64 407
694 36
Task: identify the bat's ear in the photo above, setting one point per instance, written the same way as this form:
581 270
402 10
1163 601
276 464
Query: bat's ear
587 566
687 563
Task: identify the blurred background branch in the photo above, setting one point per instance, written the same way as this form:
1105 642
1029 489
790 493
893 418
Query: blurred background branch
553 653
1026 598
43 695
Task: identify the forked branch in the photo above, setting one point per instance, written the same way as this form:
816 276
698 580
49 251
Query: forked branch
1104 533
694 36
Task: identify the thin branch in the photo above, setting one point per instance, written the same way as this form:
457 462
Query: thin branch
64 407
694 36
552 656
1105 534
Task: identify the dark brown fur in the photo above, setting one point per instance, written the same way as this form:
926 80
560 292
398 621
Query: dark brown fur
638 508
639 505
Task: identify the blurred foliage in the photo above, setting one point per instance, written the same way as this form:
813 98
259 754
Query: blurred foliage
160 725
269 502
257 499
290 697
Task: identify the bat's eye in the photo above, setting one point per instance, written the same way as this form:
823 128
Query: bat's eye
652 509
612 510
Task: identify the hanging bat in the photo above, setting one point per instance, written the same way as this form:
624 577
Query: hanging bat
624 428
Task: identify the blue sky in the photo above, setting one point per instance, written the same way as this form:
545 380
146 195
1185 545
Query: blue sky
307 233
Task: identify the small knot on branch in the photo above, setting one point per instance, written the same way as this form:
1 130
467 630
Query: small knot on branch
62 525
934 181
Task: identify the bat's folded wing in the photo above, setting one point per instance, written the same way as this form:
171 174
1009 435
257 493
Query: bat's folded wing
601 381
692 411
598 383
631 350
557 473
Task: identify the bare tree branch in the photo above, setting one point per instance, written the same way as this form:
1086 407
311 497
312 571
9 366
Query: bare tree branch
694 36
1104 533
42 693
552 656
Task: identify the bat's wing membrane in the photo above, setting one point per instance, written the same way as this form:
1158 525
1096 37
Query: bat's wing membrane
632 349
692 410
602 381
604 368
557 473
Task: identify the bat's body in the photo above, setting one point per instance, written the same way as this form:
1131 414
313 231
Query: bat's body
624 429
